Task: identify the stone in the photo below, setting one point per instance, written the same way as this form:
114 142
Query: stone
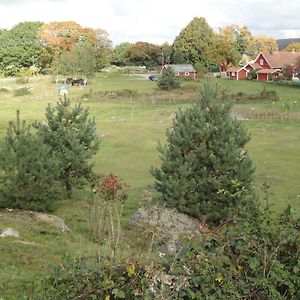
7 232
167 223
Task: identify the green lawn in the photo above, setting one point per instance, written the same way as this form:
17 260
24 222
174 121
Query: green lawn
129 128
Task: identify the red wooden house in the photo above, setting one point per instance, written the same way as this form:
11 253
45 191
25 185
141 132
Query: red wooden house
183 71
268 65
237 73
271 65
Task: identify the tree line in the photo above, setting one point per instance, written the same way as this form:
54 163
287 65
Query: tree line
68 48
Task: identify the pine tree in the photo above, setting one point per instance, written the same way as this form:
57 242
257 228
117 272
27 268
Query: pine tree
28 172
205 172
168 80
72 137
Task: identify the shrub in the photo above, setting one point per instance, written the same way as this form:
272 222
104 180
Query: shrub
22 92
168 80
251 259
100 280
28 171
4 90
205 172
106 205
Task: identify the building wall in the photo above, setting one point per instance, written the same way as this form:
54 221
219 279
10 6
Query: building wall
232 76
191 75
265 65
249 68
243 74
262 77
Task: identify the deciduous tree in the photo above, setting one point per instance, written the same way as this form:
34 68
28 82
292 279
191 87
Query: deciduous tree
20 47
143 54
192 41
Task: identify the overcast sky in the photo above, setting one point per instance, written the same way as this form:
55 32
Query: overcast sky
158 21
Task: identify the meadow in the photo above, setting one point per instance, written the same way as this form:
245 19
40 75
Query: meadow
131 116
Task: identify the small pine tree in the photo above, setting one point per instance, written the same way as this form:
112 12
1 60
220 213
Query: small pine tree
72 137
204 171
168 80
28 172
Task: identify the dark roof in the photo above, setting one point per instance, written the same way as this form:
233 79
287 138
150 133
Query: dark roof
283 43
281 59
181 68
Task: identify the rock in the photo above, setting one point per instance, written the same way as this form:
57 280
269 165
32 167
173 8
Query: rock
168 223
58 222
15 214
7 232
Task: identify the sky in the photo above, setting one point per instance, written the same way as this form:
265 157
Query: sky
158 21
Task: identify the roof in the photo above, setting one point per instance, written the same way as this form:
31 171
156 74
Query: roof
181 68
281 59
236 69
267 71
254 66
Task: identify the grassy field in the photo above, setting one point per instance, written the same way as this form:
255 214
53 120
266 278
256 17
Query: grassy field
132 115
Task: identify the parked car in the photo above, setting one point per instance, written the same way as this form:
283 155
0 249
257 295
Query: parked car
153 77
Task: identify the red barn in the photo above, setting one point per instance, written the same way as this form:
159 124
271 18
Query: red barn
183 71
237 73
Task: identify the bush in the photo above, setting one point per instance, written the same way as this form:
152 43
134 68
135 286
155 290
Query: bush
100 280
251 259
28 171
168 80
205 172
4 90
22 92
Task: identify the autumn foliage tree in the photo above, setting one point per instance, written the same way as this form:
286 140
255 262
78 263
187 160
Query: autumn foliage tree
143 54
61 37
293 47
222 51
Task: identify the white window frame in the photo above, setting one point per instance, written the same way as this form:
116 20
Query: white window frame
187 74
261 61
232 73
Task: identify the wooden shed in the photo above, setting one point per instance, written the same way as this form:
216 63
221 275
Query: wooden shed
237 73
183 71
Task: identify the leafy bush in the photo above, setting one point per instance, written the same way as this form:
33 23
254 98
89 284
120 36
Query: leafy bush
4 90
22 92
251 259
28 171
99 280
242 97
205 172
168 80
